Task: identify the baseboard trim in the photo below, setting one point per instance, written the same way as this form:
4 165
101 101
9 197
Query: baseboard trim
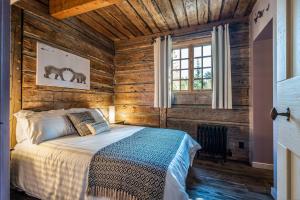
262 165
274 193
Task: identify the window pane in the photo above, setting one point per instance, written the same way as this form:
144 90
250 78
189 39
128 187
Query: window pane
207 84
197 51
184 84
176 75
176 64
201 68
207 73
197 73
185 53
198 63
184 64
176 54
176 85
207 50
184 74
207 62
197 84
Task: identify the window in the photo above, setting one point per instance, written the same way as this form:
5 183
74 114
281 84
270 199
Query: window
180 69
192 68
202 67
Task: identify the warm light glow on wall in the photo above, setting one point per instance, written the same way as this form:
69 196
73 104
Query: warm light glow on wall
112 114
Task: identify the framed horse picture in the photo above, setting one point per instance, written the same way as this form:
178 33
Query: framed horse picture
59 68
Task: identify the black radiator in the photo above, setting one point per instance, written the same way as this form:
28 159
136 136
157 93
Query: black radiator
213 140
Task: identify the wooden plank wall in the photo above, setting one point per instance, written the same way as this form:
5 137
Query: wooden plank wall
134 79
15 69
125 78
45 98
134 95
35 27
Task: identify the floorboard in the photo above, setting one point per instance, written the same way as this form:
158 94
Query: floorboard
208 180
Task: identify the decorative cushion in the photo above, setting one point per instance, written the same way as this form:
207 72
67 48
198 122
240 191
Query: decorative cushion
98 127
95 112
80 121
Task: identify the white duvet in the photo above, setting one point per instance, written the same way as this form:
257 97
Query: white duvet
58 169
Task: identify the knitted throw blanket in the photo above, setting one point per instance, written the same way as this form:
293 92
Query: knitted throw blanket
134 167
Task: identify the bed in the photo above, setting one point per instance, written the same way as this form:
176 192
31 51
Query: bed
58 168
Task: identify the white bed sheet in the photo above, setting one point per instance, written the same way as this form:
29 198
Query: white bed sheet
58 169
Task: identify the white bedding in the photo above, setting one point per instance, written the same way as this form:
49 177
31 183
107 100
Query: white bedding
58 169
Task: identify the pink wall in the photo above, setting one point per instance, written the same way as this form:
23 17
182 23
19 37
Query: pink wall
257 153
262 136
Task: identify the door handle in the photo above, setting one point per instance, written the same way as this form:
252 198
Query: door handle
274 114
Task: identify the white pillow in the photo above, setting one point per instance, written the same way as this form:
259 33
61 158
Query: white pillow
23 113
49 127
37 127
22 125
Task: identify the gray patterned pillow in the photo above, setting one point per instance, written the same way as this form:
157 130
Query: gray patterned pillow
98 127
80 121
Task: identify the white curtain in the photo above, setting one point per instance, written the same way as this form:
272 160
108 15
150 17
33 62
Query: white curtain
162 72
222 84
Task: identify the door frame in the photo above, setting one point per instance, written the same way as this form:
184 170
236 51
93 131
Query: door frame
4 98
275 128
255 30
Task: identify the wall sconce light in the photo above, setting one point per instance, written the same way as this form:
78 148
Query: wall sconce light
112 114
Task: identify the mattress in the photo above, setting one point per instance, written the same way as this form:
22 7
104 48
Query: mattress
58 169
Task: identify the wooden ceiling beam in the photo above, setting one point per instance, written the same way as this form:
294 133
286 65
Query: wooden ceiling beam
73 26
61 9
13 1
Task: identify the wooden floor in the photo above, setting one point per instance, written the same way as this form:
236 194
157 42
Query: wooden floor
231 181
208 180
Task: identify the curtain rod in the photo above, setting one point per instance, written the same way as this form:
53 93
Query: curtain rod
201 34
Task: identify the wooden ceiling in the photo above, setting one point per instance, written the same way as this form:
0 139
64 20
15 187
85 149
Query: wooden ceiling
134 18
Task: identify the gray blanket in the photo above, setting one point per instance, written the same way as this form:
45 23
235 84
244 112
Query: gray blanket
134 167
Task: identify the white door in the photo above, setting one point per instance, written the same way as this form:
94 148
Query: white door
288 96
